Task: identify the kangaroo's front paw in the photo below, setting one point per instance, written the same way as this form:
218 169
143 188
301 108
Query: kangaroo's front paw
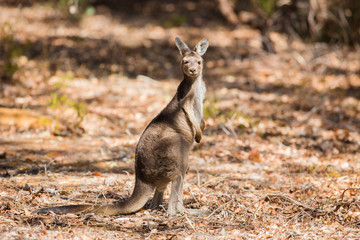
198 137
202 125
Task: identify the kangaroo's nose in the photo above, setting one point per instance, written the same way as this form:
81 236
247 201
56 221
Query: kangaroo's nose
192 70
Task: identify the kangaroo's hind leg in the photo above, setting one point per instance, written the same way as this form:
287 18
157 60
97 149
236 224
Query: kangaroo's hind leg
176 196
158 198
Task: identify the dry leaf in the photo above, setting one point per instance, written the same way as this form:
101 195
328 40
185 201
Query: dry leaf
98 174
254 156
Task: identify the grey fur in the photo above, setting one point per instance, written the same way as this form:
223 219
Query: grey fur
162 152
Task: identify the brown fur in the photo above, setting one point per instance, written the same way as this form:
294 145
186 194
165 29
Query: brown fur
162 153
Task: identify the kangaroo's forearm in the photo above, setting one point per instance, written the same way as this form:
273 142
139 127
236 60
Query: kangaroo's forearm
193 123
202 125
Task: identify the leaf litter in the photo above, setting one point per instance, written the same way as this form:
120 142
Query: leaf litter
279 159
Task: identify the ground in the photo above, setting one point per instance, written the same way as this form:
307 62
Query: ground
279 158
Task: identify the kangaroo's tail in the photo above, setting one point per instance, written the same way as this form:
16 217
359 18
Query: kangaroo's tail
141 194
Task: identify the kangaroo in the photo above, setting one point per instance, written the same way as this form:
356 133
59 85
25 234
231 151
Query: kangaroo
161 155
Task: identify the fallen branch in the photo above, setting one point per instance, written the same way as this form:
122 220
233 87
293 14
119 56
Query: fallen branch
190 223
342 203
226 8
222 206
224 128
314 109
273 196
350 188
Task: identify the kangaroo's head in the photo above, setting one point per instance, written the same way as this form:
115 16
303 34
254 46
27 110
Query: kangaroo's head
192 62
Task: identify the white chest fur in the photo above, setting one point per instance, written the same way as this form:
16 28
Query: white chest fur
200 90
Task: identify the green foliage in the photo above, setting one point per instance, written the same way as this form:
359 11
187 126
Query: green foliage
333 174
176 20
90 10
328 171
75 9
62 4
241 121
76 38
58 100
268 6
10 50
62 102
210 109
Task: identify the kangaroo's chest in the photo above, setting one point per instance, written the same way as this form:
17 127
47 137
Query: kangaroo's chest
199 96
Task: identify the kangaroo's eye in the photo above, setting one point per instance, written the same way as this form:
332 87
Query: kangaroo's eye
186 62
199 62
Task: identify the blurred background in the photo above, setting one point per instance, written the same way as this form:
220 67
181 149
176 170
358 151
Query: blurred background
275 68
81 79
271 63
98 38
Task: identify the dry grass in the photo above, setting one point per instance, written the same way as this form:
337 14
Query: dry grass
279 158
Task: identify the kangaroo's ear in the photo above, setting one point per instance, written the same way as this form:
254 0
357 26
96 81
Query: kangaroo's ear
202 46
183 48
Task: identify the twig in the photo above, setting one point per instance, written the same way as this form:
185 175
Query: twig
224 128
219 208
308 207
289 199
258 207
345 25
193 196
226 8
314 109
231 126
342 203
350 188
214 180
46 166
190 223
198 177
172 219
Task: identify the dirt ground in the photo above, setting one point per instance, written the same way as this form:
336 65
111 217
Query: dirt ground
279 158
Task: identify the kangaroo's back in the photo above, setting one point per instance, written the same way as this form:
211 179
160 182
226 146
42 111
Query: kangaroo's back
163 149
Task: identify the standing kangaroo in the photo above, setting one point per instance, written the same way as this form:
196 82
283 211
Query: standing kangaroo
162 153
